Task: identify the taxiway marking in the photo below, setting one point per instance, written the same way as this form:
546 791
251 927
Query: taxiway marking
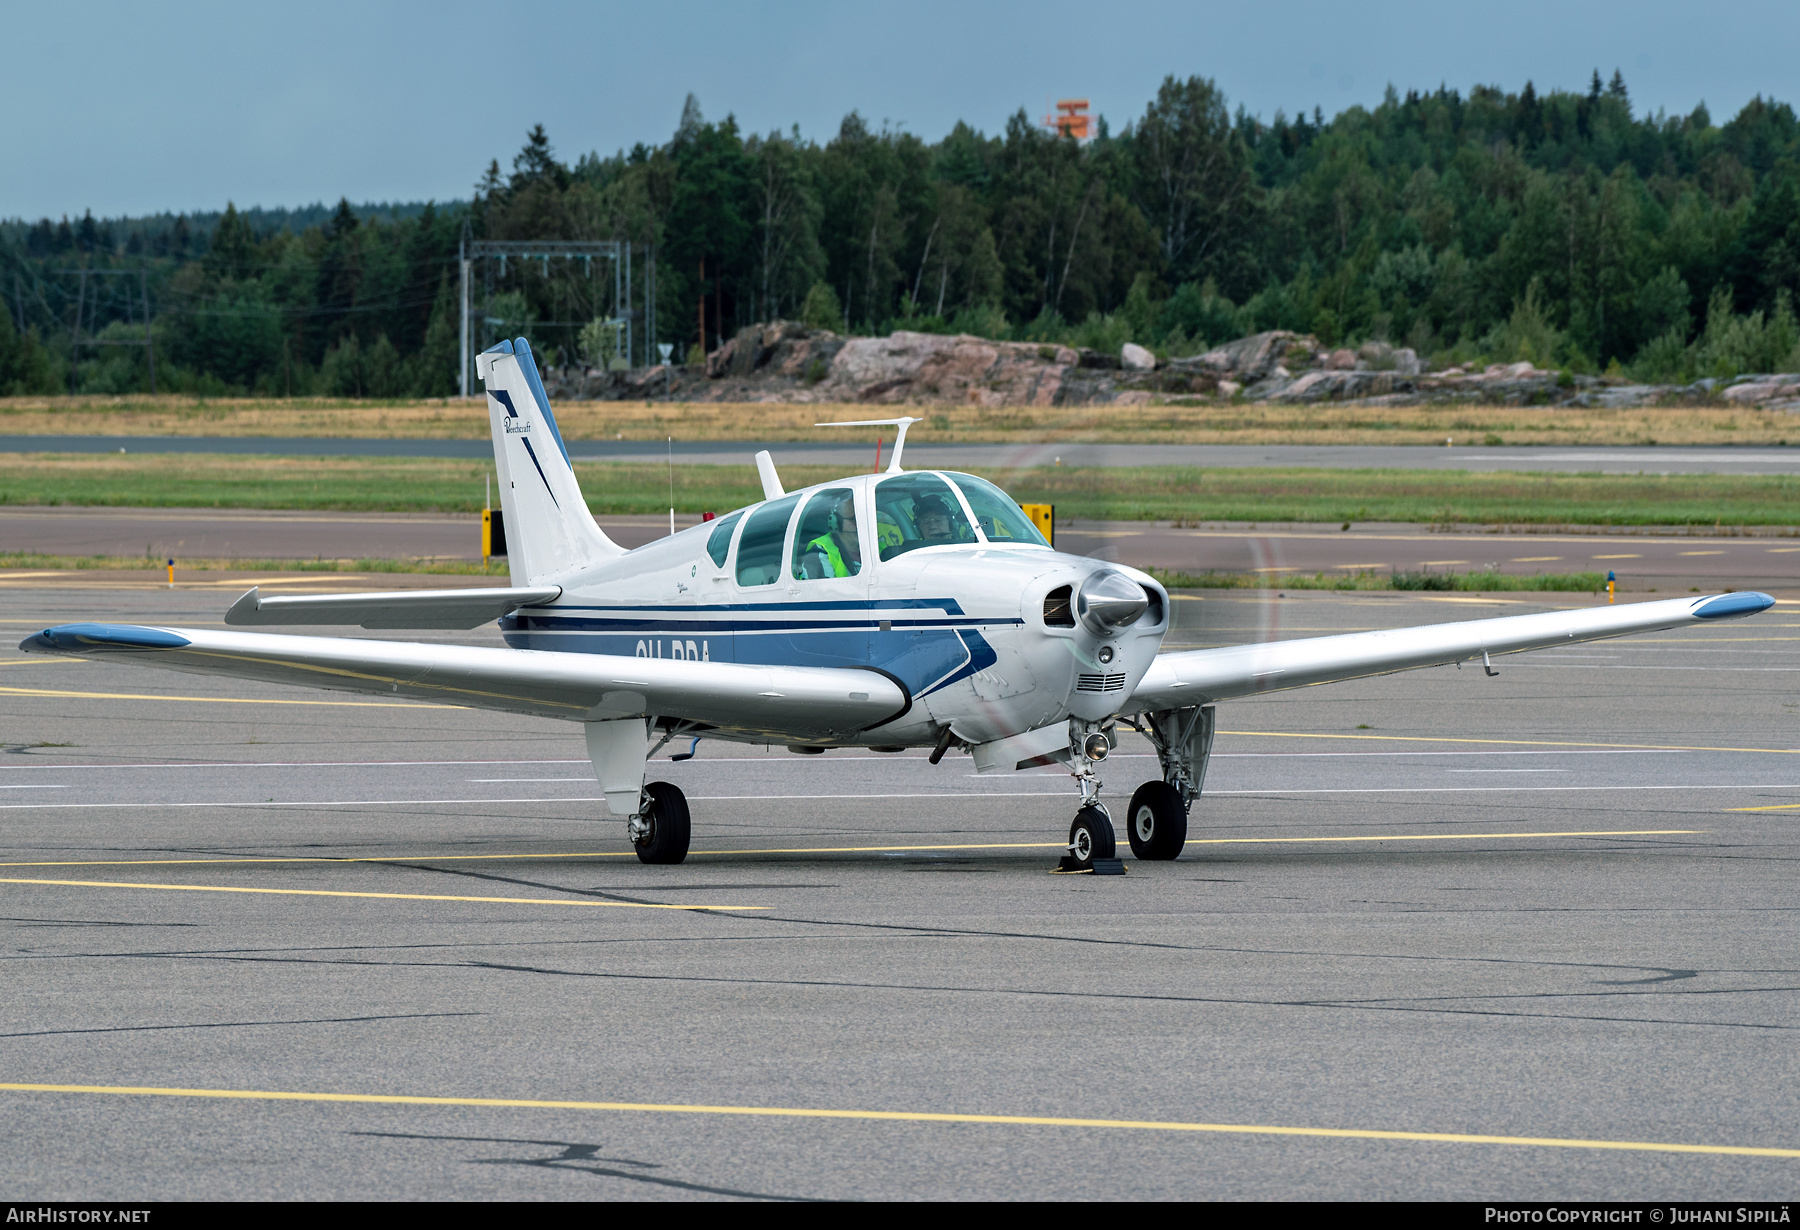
991 845
908 1116
320 892
1652 747
225 700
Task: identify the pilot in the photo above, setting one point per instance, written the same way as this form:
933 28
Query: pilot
838 545
932 516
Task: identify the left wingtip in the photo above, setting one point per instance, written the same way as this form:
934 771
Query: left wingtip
1733 606
81 638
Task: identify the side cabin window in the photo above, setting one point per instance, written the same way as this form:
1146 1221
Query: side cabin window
718 546
759 550
1003 523
827 543
918 510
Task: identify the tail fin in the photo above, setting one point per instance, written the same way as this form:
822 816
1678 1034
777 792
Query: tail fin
549 531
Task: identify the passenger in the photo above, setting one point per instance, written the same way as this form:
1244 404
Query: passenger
932 517
838 545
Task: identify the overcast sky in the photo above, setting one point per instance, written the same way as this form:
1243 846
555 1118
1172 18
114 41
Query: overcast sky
137 108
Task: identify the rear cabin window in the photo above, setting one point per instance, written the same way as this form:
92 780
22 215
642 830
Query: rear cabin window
719 544
1002 522
918 510
826 544
759 550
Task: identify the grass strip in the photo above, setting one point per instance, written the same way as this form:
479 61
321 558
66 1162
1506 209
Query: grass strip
34 561
1171 493
771 422
1461 582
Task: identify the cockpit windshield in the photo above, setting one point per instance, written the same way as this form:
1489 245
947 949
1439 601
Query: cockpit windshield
1003 523
918 510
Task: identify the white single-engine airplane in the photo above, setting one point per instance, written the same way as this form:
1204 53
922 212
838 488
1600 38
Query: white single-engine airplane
900 610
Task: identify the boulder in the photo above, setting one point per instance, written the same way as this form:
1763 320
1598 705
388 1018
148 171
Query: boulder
1136 358
1406 362
1341 361
1248 359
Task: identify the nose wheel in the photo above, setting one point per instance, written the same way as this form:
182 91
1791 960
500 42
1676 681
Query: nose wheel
1091 837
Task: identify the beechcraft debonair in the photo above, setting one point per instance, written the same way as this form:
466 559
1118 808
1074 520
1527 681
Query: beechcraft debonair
907 609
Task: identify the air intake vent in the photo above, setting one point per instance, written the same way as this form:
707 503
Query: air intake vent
1057 612
1099 683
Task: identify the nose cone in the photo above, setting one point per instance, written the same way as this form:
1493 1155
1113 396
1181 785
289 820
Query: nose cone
1109 601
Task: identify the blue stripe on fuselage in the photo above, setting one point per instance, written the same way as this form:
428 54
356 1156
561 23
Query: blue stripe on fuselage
926 654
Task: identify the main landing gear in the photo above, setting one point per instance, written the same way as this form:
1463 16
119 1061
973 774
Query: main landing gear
1156 822
661 827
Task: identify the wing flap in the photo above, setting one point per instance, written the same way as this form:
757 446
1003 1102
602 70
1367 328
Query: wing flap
419 608
797 703
1199 676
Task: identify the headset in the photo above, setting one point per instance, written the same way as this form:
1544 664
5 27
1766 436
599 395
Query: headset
835 522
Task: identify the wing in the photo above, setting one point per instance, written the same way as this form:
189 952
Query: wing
418 608
778 703
1200 676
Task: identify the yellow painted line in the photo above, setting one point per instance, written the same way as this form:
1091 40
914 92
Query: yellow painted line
1534 559
41 661
1772 807
907 1116
996 845
1702 552
226 700
467 858
1615 557
319 892
1654 747
1256 841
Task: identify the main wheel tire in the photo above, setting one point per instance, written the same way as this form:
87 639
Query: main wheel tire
667 840
1091 837
1157 822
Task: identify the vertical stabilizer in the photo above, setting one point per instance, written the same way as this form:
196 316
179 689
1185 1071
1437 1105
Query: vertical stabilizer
549 531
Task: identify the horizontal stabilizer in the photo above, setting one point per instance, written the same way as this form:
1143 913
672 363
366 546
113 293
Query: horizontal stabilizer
418 608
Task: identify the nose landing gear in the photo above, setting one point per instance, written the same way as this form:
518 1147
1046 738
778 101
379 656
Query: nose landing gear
1091 837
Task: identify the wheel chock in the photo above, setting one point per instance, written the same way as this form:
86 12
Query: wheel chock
1070 866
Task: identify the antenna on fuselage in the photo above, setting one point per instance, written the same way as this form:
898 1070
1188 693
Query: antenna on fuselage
899 438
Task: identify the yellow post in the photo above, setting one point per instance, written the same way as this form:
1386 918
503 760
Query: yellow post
1044 517
487 535
171 574
1611 585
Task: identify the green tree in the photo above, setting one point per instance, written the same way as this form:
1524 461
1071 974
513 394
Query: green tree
1193 176
25 364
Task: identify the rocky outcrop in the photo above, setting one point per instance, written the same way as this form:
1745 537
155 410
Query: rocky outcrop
789 362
